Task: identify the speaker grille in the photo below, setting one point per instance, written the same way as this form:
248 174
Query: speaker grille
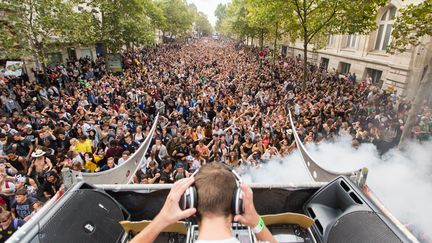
88 216
360 227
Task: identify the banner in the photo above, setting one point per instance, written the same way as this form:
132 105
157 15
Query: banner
114 62
13 68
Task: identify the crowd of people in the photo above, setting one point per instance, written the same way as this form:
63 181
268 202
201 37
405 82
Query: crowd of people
216 102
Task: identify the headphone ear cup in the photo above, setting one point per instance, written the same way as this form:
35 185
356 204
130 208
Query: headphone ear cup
194 198
237 204
189 198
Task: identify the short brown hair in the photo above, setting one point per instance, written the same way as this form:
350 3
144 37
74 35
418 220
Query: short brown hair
215 186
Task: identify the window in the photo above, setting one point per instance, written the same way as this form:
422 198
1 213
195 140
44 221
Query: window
85 52
284 50
54 59
324 63
373 75
351 41
385 29
344 67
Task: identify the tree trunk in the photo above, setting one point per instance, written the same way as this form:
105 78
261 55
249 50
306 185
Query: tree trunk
275 43
423 90
261 41
305 69
104 43
40 57
305 44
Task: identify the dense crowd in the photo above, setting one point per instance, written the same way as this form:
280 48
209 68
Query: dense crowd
216 101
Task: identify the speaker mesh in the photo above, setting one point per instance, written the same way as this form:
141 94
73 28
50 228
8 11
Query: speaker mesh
88 216
361 227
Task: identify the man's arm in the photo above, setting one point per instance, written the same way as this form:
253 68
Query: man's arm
169 214
251 218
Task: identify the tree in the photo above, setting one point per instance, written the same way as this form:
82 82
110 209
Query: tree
125 22
33 27
220 14
202 24
272 18
236 20
412 24
315 17
179 17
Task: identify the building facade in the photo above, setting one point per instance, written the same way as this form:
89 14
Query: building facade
366 56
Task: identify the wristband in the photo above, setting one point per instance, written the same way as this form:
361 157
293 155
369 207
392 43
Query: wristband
259 227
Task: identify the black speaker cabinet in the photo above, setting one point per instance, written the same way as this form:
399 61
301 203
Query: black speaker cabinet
82 214
342 213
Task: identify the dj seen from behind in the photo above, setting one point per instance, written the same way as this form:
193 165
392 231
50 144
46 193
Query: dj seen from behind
215 195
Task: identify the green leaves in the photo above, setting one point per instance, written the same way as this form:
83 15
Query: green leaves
30 27
179 17
412 23
202 25
35 27
220 14
123 22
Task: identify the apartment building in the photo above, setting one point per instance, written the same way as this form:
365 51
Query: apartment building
366 56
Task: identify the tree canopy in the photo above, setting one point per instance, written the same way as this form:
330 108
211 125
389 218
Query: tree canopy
37 27
220 14
412 23
202 24
31 27
308 20
179 17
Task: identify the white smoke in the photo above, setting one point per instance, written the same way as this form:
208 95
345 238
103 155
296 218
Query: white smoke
283 170
402 180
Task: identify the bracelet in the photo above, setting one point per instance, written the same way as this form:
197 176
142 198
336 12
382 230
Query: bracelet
260 226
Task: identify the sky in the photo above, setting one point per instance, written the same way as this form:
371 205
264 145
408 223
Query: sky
208 7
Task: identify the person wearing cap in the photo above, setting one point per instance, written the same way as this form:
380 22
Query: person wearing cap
30 134
179 172
22 206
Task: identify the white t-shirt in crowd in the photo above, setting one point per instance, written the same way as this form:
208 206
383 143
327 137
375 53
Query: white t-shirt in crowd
231 240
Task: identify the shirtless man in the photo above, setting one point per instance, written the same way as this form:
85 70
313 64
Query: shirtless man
40 164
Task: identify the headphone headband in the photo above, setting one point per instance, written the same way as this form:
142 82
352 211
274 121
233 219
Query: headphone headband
190 197
237 177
